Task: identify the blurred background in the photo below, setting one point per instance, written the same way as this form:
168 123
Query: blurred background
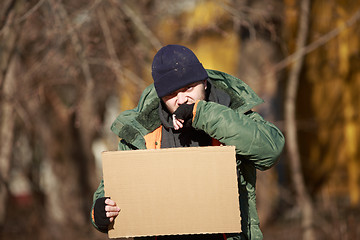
68 68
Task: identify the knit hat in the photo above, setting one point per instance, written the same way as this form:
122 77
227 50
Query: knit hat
175 67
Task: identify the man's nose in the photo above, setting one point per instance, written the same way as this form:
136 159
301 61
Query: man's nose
181 97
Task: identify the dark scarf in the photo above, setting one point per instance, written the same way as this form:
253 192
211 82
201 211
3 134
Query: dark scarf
189 136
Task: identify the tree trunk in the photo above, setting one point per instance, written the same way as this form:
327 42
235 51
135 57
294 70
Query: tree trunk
303 199
6 135
9 36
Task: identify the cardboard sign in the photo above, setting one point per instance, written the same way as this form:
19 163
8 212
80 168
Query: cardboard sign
173 191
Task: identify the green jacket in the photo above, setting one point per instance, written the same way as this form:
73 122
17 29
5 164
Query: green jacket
258 143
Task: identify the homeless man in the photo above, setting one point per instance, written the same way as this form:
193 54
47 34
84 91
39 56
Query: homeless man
188 106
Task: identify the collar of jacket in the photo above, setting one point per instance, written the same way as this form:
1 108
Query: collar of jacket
132 125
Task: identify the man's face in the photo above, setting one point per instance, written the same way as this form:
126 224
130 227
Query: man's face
186 95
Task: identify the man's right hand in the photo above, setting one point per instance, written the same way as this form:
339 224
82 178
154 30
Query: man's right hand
105 210
183 116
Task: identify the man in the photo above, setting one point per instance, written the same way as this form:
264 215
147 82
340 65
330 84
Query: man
189 106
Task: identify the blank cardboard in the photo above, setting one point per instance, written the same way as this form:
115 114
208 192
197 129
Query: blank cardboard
173 191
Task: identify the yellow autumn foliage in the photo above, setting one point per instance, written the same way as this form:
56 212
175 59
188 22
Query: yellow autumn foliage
214 50
333 78
291 15
205 15
218 52
329 84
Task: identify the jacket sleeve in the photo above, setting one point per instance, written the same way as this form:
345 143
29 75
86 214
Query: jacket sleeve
255 139
99 193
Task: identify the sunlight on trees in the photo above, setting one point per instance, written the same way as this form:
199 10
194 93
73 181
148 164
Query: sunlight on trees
67 68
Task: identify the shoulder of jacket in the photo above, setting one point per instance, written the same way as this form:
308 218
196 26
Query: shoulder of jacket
243 98
131 124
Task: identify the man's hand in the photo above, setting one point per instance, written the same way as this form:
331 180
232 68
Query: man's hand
111 209
183 116
105 210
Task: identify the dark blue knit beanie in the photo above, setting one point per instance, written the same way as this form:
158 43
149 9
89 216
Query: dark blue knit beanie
175 67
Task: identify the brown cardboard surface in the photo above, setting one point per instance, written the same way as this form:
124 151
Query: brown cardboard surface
173 191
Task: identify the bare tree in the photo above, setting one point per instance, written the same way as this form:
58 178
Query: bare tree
303 198
68 64
9 35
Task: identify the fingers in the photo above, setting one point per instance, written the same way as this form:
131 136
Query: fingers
111 214
178 123
111 209
110 202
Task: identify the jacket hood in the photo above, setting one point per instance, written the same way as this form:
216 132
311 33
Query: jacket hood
243 98
132 125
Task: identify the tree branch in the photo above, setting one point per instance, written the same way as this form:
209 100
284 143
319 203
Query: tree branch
300 53
31 11
75 40
110 46
155 42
